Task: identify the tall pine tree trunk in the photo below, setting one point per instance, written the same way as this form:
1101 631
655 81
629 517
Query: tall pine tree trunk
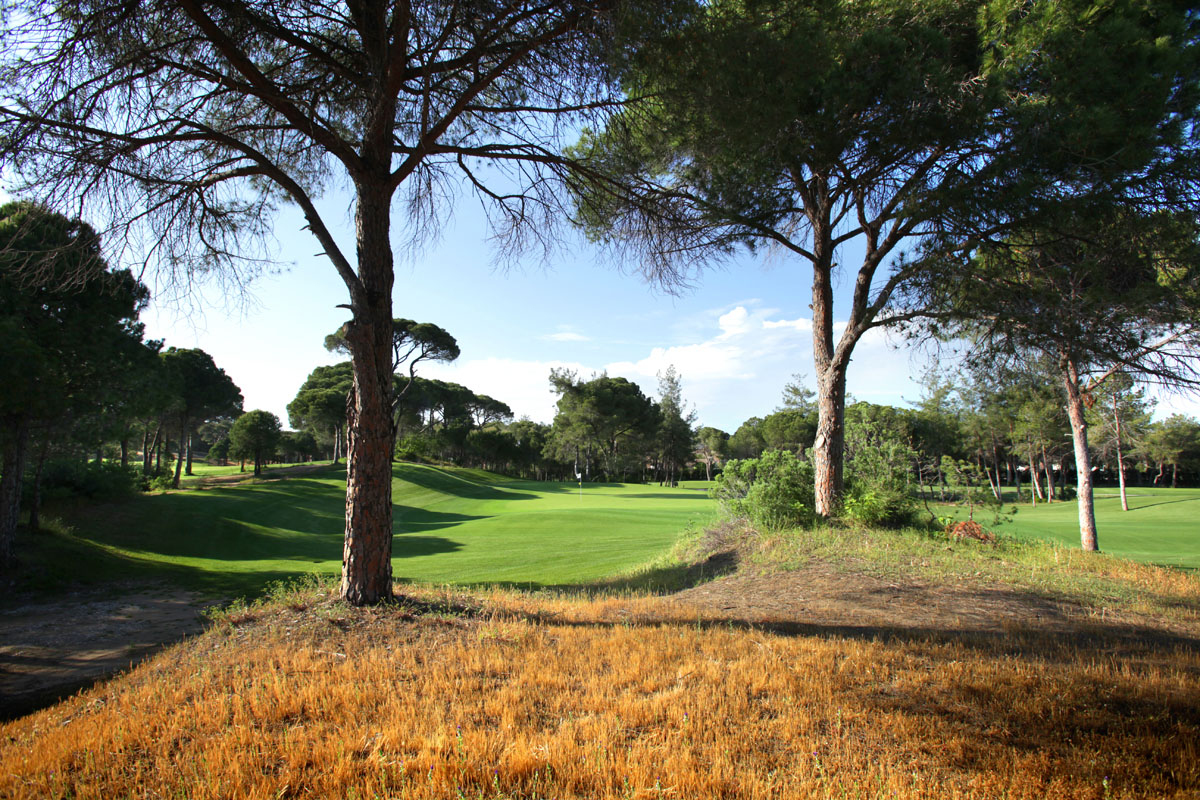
1049 475
179 459
188 469
370 431
830 443
1083 459
1036 490
1120 455
11 472
35 501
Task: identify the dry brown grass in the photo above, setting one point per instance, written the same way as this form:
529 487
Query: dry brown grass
521 697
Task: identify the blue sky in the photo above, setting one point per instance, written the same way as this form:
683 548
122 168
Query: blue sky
736 338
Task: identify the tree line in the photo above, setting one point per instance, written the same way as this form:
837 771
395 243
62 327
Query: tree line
87 404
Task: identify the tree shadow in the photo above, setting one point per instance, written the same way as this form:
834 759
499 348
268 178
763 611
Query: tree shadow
444 482
1163 503
659 580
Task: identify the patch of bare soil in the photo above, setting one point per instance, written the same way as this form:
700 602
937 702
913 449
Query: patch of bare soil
51 650
817 597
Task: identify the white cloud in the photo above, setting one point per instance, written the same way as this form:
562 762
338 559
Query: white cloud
740 370
567 336
736 370
734 323
804 325
523 385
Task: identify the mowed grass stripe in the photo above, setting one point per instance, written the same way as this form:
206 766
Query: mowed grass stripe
452 526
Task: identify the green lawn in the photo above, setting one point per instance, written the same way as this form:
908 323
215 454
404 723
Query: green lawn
451 525
202 469
1162 526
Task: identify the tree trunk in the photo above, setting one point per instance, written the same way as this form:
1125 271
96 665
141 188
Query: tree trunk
1175 475
1049 476
830 367
830 443
11 473
1120 455
35 502
1036 489
1083 459
125 451
179 460
370 429
188 469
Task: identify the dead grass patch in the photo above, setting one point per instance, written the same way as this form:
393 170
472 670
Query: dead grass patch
503 695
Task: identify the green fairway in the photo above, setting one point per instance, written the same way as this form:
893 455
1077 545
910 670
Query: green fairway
1162 526
452 526
202 469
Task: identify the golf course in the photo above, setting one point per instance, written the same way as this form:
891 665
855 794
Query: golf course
452 525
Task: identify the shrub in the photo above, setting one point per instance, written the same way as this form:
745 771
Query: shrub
772 491
413 447
879 469
94 480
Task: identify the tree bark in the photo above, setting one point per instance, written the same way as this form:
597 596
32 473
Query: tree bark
1120 455
179 459
1083 459
35 502
1036 489
1049 476
188 469
370 429
10 489
830 442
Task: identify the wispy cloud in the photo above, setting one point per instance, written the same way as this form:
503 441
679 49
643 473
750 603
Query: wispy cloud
567 336
734 369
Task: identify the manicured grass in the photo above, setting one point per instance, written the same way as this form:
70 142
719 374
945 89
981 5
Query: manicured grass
451 527
1162 525
202 469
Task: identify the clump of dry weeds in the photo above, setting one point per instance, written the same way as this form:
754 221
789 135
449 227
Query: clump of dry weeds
506 695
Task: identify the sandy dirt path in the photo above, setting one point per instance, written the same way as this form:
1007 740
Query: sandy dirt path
49 650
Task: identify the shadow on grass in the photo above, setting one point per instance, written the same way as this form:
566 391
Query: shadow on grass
448 483
1110 640
659 580
1139 507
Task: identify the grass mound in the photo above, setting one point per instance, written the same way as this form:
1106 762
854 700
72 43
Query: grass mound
505 695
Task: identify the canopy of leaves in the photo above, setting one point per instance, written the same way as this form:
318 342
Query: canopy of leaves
204 390
255 435
610 417
69 324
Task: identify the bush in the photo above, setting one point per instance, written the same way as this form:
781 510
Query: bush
71 478
879 469
773 491
414 447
